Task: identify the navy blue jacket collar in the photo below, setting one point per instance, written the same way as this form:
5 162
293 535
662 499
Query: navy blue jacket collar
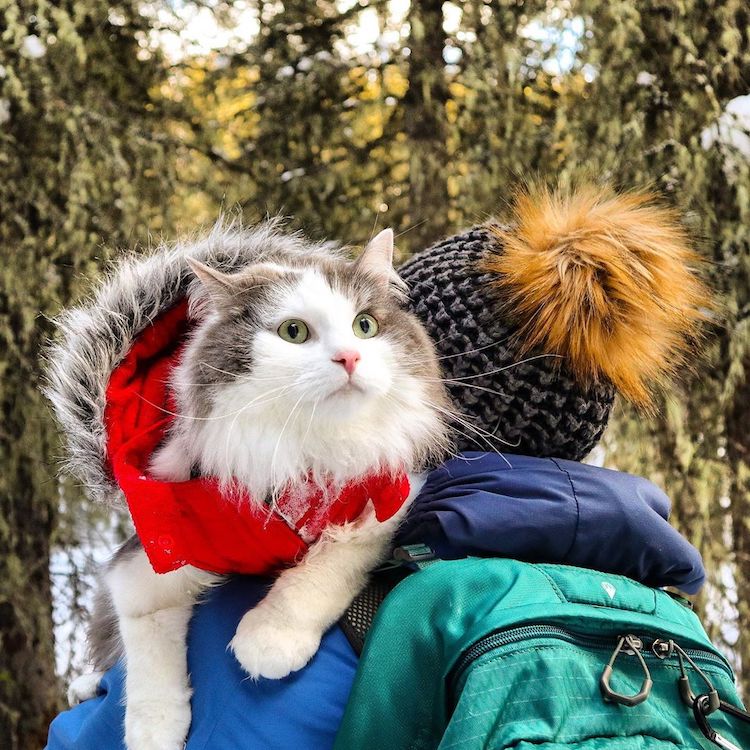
552 510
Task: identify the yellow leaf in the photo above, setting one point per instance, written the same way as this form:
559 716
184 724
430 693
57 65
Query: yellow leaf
458 90
451 111
394 82
400 172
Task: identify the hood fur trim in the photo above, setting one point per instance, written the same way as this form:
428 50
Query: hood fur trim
94 337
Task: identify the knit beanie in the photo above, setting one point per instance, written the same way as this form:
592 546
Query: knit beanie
540 322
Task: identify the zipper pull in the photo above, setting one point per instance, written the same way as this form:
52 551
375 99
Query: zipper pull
664 649
628 644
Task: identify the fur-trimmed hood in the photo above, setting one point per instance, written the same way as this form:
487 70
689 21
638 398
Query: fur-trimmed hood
95 336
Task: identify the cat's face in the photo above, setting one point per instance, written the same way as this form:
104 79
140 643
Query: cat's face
311 363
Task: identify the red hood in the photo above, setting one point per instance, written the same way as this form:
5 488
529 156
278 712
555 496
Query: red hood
192 522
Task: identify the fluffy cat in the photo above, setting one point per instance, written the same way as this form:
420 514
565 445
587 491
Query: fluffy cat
302 367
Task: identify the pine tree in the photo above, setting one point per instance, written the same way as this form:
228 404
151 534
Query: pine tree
79 167
320 141
665 74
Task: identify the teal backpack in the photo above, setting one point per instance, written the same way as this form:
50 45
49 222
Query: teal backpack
490 653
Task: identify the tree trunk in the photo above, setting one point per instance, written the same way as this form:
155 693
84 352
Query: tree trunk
424 115
738 453
29 689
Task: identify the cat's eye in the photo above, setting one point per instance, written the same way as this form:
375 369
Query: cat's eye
365 326
294 331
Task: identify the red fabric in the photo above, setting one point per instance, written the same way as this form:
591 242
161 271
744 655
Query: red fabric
192 523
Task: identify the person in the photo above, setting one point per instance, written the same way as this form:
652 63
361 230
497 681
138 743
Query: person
533 361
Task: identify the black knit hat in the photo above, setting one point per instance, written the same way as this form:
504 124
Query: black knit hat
539 323
530 404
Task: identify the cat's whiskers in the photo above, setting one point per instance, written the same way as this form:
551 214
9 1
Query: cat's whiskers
253 402
394 397
510 366
312 416
235 377
473 351
460 384
410 228
374 227
245 290
482 444
201 419
482 434
496 370
453 416
485 433
276 483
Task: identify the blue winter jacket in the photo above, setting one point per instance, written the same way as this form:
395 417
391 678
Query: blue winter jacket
541 510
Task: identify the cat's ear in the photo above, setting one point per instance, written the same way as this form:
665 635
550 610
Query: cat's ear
218 284
377 260
377 257
228 290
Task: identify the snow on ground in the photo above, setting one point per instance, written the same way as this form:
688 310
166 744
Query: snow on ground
73 572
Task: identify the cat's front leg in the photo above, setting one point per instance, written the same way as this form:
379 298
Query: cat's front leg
282 633
153 614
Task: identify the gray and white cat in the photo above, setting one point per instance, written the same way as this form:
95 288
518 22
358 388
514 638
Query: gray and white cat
301 365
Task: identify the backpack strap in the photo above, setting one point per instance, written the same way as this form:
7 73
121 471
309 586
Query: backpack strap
357 620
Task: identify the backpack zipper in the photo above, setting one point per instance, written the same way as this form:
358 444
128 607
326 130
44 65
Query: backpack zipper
530 632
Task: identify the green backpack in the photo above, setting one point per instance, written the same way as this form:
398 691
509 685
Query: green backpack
490 653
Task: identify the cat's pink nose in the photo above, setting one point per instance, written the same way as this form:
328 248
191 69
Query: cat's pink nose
347 359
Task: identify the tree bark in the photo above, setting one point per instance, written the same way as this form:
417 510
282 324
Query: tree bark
424 117
738 453
29 690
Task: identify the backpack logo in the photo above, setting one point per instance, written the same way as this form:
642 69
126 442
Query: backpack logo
609 588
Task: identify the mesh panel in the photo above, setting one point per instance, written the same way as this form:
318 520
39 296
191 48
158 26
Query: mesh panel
357 620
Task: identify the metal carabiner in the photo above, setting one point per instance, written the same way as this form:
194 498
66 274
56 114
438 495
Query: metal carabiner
701 710
635 645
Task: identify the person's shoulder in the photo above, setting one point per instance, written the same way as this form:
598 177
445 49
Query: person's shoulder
229 709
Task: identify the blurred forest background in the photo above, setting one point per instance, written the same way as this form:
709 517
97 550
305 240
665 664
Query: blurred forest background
126 121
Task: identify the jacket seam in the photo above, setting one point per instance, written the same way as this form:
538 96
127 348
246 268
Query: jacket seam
578 507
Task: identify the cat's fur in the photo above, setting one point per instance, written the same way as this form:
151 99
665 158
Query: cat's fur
265 413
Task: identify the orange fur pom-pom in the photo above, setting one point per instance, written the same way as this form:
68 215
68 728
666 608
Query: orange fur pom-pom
606 281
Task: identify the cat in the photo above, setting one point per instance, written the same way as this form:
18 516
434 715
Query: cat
300 368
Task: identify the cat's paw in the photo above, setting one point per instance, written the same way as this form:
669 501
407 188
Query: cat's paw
83 687
267 647
157 725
